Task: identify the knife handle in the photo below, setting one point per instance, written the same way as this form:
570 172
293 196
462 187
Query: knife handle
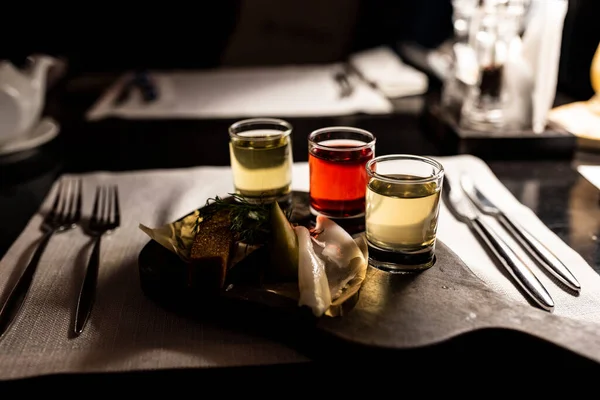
540 252
514 265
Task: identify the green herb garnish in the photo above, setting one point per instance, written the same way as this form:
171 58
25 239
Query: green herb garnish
250 222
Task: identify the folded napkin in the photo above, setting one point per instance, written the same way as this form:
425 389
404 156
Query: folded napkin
285 91
457 236
127 331
385 70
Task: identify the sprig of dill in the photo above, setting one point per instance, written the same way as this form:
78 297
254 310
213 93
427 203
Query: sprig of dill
250 222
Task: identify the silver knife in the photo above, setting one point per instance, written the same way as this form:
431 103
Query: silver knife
536 249
466 212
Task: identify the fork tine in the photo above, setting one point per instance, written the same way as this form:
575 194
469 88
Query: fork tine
72 200
117 220
77 215
109 205
64 204
96 205
57 196
104 205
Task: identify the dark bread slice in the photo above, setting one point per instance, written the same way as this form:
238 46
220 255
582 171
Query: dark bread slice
211 252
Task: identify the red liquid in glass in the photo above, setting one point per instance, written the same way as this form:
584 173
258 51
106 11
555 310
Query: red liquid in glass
338 180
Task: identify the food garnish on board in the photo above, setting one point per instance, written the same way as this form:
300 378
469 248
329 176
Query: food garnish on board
326 262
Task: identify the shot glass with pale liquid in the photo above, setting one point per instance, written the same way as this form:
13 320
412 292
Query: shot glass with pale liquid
402 208
260 151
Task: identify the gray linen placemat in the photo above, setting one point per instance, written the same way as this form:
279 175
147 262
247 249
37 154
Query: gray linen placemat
127 331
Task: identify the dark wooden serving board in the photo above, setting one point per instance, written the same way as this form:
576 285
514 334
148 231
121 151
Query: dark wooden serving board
391 311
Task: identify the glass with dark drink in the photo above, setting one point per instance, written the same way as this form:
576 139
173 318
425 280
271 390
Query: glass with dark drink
338 179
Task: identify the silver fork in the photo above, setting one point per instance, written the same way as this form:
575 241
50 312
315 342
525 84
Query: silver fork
105 218
64 215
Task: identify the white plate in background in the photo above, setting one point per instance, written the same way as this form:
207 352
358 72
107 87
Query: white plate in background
42 133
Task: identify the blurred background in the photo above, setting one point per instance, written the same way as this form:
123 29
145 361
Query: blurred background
104 37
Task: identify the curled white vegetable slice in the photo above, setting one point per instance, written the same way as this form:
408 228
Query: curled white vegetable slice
312 278
343 258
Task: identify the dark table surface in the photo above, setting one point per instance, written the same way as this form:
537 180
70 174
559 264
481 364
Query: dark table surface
567 203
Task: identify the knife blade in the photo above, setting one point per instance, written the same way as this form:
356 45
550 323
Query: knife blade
535 248
462 207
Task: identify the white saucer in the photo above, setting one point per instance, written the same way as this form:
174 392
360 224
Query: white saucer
43 132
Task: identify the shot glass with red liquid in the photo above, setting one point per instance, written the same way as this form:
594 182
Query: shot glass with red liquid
338 179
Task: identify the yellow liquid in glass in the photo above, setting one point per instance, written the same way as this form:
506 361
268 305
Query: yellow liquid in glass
402 217
261 168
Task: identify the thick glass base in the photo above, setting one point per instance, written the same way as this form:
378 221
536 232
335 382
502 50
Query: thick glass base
400 262
337 216
281 195
351 208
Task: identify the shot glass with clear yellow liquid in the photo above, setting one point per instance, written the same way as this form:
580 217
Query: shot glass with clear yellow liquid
402 208
260 152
